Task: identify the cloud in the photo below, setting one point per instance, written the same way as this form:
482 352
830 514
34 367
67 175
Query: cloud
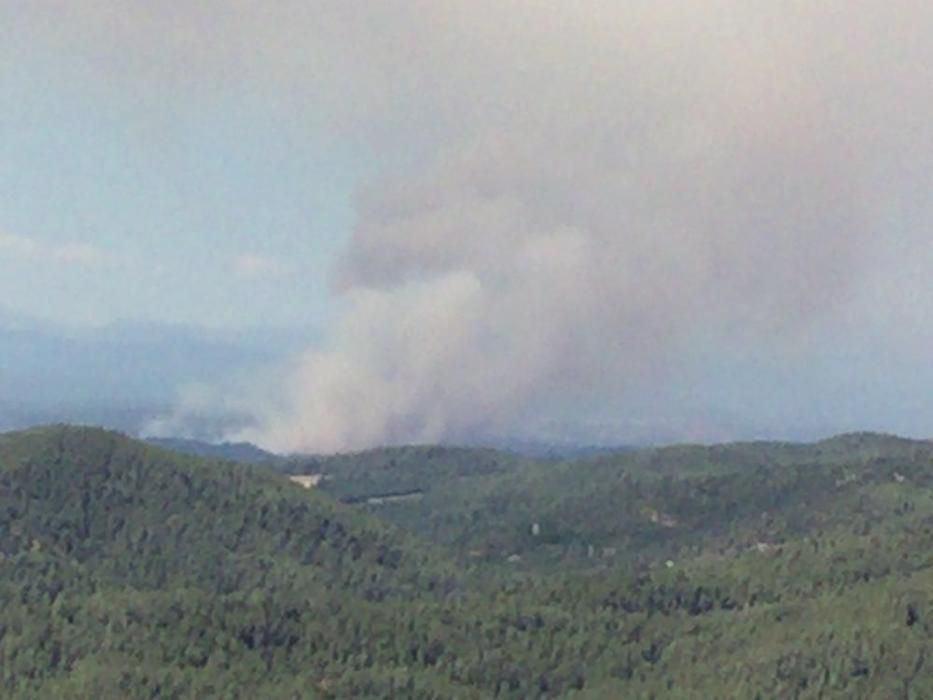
577 190
23 248
251 266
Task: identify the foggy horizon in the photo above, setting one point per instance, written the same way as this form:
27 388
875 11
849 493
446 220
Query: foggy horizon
323 226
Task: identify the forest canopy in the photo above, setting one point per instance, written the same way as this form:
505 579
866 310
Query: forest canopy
744 570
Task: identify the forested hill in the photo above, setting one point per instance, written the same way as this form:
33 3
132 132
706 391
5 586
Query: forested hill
234 451
120 510
114 553
757 570
357 476
648 503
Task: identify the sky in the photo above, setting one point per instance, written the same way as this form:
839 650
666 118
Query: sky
117 203
591 221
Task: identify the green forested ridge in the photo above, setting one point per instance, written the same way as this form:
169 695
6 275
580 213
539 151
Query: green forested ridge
357 476
652 502
761 570
233 451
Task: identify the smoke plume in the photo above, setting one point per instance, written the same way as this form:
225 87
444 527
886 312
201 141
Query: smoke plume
569 191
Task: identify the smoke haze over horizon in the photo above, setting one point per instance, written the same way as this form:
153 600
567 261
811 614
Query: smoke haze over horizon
573 201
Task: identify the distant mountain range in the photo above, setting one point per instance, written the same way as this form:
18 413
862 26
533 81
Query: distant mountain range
123 374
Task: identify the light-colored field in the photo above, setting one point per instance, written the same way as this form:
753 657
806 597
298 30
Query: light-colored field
308 481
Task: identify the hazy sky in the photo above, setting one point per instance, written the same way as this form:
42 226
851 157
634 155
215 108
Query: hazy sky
667 219
117 202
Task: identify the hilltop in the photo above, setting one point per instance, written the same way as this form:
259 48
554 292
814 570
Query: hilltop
96 528
245 452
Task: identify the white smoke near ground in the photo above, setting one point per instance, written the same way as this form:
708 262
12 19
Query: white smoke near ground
574 189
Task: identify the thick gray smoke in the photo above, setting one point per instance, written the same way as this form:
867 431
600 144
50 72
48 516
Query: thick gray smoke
572 190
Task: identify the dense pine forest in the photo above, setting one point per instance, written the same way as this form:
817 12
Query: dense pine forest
750 570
